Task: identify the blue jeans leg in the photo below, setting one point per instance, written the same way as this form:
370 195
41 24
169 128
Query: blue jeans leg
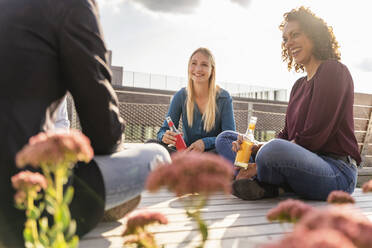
309 175
224 143
124 173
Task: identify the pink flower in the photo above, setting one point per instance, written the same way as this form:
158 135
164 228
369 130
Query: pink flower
350 222
143 219
192 172
340 197
26 179
319 238
53 148
367 187
289 211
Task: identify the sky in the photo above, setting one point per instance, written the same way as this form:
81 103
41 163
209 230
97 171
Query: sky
158 36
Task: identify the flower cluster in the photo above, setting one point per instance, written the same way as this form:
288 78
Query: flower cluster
28 179
26 182
142 220
198 174
289 211
340 197
136 232
303 238
348 221
54 148
192 172
332 226
55 154
367 187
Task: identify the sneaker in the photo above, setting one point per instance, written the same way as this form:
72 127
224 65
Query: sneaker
251 189
120 211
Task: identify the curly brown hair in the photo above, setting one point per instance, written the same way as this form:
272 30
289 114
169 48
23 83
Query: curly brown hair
317 30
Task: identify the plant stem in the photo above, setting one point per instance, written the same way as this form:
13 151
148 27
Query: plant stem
32 223
59 183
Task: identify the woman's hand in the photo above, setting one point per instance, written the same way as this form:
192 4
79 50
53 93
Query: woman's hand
197 146
236 144
169 138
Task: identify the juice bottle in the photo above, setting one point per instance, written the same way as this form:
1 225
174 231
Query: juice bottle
245 151
180 143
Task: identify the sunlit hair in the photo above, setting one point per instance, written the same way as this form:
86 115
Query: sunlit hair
210 112
317 30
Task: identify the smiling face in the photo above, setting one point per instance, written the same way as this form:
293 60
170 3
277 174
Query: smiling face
200 68
298 45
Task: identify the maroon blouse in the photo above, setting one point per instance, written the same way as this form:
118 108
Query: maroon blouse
320 112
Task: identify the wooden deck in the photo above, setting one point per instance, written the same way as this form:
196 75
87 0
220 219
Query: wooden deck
232 222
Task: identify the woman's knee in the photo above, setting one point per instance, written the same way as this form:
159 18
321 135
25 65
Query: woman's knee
273 150
224 140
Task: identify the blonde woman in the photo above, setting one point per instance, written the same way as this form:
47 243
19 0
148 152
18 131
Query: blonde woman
206 109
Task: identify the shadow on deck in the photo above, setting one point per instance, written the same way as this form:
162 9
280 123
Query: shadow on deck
232 222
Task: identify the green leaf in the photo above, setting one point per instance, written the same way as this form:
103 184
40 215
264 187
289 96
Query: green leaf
51 192
27 235
74 242
50 204
71 230
41 207
44 239
67 198
33 213
203 230
21 206
43 223
62 216
66 217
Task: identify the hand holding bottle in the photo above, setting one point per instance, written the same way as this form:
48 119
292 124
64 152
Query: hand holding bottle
169 138
174 133
236 145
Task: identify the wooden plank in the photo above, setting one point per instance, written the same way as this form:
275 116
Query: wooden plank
361 111
365 151
232 222
360 124
363 99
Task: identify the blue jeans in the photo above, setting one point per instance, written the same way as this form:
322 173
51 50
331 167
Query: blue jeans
288 165
124 173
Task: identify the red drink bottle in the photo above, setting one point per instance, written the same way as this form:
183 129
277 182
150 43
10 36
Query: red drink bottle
180 143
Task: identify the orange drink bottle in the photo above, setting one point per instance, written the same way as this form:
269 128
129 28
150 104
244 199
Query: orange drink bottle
245 151
180 143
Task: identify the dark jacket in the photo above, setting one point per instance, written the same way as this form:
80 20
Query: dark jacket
48 47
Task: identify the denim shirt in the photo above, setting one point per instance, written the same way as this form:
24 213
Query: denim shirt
224 119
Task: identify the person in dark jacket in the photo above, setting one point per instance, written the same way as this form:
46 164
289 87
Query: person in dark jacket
317 151
49 47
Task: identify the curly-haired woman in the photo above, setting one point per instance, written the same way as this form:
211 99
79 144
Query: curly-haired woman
317 151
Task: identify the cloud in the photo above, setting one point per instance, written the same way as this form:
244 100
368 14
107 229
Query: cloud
243 3
365 65
169 6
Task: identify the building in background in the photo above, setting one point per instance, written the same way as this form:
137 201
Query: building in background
121 77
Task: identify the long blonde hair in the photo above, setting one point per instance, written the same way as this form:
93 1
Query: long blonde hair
210 112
